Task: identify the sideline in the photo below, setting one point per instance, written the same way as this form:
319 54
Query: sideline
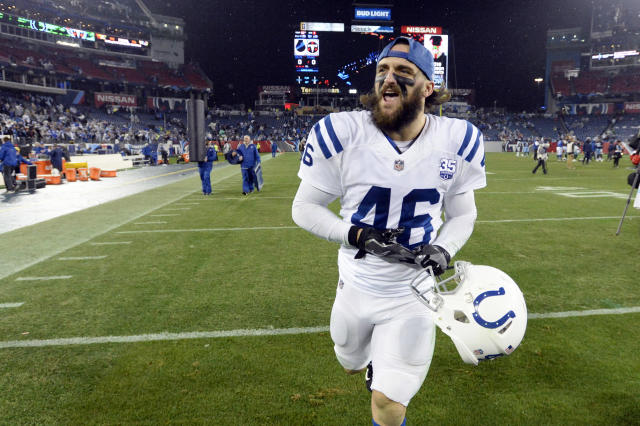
20 262
253 332
30 249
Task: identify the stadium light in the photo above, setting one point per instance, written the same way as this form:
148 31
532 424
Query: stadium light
353 91
538 80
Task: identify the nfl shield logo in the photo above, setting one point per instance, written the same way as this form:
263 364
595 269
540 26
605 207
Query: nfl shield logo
398 165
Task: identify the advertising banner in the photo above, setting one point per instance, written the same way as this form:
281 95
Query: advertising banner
372 14
416 29
371 29
632 107
102 98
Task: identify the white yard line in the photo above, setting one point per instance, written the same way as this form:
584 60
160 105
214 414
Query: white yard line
111 243
59 277
263 228
553 219
253 332
11 305
149 223
570 314
254 197
176 209
164 215
257 228
83 258
160 337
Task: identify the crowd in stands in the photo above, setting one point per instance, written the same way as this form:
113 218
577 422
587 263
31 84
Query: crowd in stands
38 120
287 126
35 119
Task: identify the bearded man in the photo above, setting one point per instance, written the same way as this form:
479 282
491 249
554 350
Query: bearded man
396 170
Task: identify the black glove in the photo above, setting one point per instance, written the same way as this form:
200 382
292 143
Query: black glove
381 243
434 256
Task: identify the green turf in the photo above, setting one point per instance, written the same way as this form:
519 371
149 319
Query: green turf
578 370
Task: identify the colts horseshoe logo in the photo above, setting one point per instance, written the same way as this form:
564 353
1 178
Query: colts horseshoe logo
482 321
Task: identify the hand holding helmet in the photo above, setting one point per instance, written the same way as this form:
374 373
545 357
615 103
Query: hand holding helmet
434 257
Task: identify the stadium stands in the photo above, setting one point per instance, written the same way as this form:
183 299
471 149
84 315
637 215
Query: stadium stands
591 84
72 65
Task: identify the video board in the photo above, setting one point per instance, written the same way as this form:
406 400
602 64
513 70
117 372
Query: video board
347 55
438 45
59 30
45 27
306 52
120 41
621 58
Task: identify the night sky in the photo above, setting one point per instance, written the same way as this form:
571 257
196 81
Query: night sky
499 46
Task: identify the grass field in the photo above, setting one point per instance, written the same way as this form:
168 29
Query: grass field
116 342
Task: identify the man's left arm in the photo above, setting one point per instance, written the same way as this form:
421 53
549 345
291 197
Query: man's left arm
460 216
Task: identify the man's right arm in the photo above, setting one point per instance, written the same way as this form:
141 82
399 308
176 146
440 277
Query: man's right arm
310 211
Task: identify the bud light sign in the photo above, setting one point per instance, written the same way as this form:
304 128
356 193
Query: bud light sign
372 14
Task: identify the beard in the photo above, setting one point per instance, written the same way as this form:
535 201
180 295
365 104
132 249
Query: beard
407 111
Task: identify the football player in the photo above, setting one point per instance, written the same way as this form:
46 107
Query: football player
396 170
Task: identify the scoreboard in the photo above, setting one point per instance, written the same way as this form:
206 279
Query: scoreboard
346 55
306 51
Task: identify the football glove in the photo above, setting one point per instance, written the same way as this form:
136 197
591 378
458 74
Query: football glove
381 243
432 256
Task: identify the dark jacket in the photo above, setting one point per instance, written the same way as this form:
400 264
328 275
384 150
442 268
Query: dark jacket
8 154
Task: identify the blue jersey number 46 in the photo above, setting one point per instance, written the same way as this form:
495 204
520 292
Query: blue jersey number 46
379 198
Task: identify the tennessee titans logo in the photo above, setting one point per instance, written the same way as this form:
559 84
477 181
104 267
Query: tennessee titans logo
312 47
398 165
447 168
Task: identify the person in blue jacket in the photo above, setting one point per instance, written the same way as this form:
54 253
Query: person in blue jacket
153 151
249 158
9 155
204 167
9 159
274 149
56 156
146 151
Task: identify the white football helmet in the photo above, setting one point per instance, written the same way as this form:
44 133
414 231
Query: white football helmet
485 315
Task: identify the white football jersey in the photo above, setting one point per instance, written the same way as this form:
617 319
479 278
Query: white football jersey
348 156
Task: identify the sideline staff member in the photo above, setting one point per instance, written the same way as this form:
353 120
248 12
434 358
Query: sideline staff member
205 167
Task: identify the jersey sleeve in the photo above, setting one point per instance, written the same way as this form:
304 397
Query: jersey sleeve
320 164
471 161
